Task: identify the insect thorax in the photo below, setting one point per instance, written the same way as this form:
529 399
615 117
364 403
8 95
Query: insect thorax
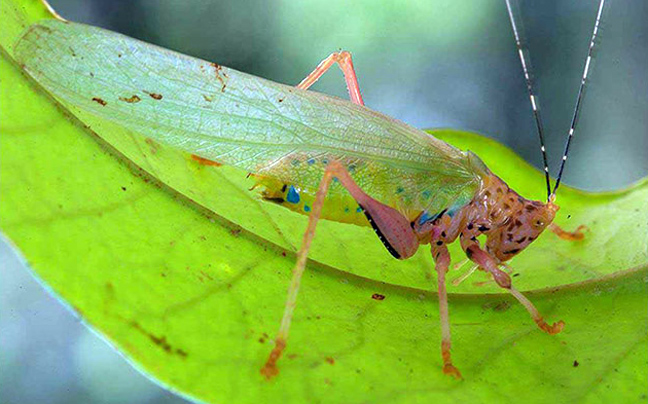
509 221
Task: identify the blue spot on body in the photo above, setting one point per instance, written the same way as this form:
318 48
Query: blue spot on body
306 208
400 190
325 161
293 195
424 218
311 161
426 194
346 209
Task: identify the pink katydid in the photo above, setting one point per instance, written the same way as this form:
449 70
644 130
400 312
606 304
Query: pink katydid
359 166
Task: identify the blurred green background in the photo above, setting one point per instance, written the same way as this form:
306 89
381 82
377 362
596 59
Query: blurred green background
430 63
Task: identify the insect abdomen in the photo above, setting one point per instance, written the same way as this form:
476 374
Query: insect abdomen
338 207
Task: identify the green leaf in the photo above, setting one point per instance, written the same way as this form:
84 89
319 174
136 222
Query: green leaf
185 271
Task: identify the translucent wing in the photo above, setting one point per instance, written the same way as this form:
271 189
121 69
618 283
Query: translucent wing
237 119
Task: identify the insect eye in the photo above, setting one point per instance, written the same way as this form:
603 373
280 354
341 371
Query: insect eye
539 223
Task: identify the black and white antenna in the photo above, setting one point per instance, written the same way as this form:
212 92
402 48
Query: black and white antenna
579 98
526 69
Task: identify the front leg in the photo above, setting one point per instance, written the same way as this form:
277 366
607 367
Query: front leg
575 235
480 257
442 260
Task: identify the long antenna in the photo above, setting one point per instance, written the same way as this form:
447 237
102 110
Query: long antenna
526 68
579 98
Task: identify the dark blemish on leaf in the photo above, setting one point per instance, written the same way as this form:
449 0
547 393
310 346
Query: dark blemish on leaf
91 74
280 100
292 356
155 96
99 101
72 52
235 232
159 341
119 55
131 100
218 70
154 146
516 275
330 360
162 274
123 188
283 253
378 296
576 363
207 98
502 306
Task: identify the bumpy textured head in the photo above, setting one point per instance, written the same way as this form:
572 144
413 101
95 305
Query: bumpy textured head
525 225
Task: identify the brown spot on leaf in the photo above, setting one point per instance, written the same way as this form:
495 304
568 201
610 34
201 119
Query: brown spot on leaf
155 96
153 144
378 296
131 100
330 360
576 363
218 69
99 101
160 341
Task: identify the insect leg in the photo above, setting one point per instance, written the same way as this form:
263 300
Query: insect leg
397 233
569 235
471 246
442 260
343 59
270 370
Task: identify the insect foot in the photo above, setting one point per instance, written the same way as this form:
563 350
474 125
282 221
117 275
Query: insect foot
270 370
555 328
575 235
450 370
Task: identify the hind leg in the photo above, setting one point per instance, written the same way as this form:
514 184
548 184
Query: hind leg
393 229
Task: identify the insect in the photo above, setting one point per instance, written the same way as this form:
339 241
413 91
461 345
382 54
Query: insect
317 155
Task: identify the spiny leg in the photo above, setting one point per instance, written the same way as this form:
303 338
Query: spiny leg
343 59
442 261
270 370
575 235
471 246
392 227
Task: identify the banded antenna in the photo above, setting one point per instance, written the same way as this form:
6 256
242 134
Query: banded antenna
579 97
526 69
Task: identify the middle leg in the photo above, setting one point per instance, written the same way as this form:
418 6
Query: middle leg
442 261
